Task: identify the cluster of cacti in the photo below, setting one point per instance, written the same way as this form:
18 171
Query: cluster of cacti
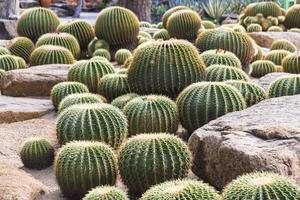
275 29
65 40
145 24
83 165
143 162
223 73
259 53
80 98
121 101
260 68
117 26
106 193
151 73
37 153
62 90
238 43
103 53
49 54
277 56
122 55
22 47
291 64
169 12
181 189
4 51
97 44
35 22
81 30
2 74
112 86
98 122
283 44
184 24
292 17
254 28
220 57
162 34
220 98
251 92
285 86
261 186
21 62
151 114
8 62
208 24
90 72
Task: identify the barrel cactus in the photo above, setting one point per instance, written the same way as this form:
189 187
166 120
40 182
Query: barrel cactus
144 160
81 30
122 55
208 24
220 57
259 54
283 44
106 193
35 22
143 40
117 25
97 44
49 54
151 73
61 90
261 186
8 62
90 72
291 64
254 28
262 67
162 34
2 74
101 58
83 165
145 24
102 52
4 51
294 30
21 62
121 101
275 29
60 39
267 9
194 112
285 86
21 46
169 12
276 56
224 73
181 189
144 35
292 17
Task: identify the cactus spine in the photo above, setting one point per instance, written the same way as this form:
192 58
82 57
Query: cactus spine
169 12
221 57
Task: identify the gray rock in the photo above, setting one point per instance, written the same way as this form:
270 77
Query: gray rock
8 29
29 4
264 137
33 81
266 80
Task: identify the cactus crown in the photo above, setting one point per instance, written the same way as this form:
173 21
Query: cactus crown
162 34
21 46
106 193
285 86
223 73
284 45
262 67
221 57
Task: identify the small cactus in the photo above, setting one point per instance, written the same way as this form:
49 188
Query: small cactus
21 46
262 67
21 62
208 24
292 17
220 57
122 55
145 24
143 40
291 64
283 44
276 56
169 12
294 30
4 51
97 44
223 73
121 101
37 153
254 28
106 193
144 35
102 52
161 34
8 62
275 29
284 86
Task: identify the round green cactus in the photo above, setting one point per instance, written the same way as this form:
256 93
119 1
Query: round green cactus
49 54
117 25
80 98
121 101
60 39
294 30
161 34
267 9
160 25
35 22
283 44
98 122
236 42
101 58
208 24
251 92
254 28
90 72
277 56
143 40
184 24
37 153
151 73
106 193
144 35
275 29
122 55
285 86
223 73
22 47
8 62
262 67
149 159
61 90
261 186
83 165
169 12
291 64
2 74
145 24
4 51
220 57
21 62
97 44
102 52
81 30
292 17
145 115
181 189
194 112
112 86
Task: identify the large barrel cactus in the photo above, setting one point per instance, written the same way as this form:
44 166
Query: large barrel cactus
285 86
90 72
261 186
81 166
283 44
117 25
8 62
262 67
267 9
121 101
292 17
169 12
181 189
224 73
220 57
37 153
49 54
221 99
276 56
291 64
149 159
4 51
122 55
106 193
22 47
165 67
35 22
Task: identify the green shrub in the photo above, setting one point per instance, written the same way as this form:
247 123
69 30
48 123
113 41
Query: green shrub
262 67
162 34
283 44
106 193
285 86
122 55
8 62
22 47
102 52
276 56
223 73
121 101
292 17
291 64
220 57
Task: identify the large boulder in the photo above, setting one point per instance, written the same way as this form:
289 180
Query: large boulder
264 137
266 80
33 81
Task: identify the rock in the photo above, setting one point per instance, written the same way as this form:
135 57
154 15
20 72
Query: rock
265 39
15 184
8 29
151 31
29 4
4 43
266 80
264 137
14 109
33 81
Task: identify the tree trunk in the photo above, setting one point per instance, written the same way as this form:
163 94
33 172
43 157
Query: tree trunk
142 8
9 8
